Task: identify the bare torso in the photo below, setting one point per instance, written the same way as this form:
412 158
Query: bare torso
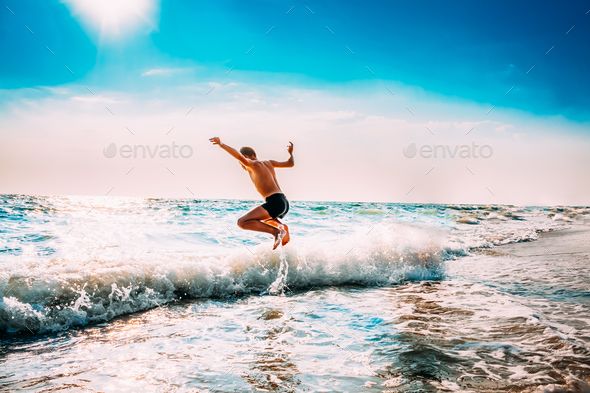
264 178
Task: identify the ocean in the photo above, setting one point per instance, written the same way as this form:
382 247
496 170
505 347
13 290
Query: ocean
113 294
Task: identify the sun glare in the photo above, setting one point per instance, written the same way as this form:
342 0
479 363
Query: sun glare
113 18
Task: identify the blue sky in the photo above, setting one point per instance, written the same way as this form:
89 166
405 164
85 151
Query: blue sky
465 49
447 64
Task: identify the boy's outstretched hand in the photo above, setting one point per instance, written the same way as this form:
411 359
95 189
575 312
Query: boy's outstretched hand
289 147
216 140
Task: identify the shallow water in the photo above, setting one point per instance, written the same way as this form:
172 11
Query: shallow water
168 295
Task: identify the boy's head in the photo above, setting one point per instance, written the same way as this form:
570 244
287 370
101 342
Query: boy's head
248 152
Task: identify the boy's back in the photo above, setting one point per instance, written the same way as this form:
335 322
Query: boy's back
264 177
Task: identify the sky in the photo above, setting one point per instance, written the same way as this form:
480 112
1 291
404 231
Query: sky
354 85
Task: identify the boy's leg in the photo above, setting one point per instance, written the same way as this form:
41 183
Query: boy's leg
254 221
277 224
273 222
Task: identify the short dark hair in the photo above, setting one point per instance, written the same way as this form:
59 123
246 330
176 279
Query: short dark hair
248 152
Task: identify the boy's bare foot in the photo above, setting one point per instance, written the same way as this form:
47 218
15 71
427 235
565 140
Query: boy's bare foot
278 237
286 237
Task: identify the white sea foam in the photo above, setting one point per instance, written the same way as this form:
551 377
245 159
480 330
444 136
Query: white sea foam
132 254
65 293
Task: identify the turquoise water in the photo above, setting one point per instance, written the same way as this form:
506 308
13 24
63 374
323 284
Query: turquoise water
135 294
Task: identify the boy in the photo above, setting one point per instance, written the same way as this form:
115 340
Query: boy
264 218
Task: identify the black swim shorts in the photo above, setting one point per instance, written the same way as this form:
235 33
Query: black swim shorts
276 205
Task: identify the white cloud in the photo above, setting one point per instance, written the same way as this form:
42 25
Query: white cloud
504 128
356 142
336 115
58 90
158 71
170 71
98 99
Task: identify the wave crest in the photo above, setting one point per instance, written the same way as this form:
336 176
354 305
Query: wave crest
66 293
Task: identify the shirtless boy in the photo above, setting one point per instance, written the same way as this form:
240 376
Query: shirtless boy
264 218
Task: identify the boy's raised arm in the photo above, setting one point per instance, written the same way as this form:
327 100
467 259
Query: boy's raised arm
285 164
236 154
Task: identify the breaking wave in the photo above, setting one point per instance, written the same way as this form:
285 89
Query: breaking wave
62 293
